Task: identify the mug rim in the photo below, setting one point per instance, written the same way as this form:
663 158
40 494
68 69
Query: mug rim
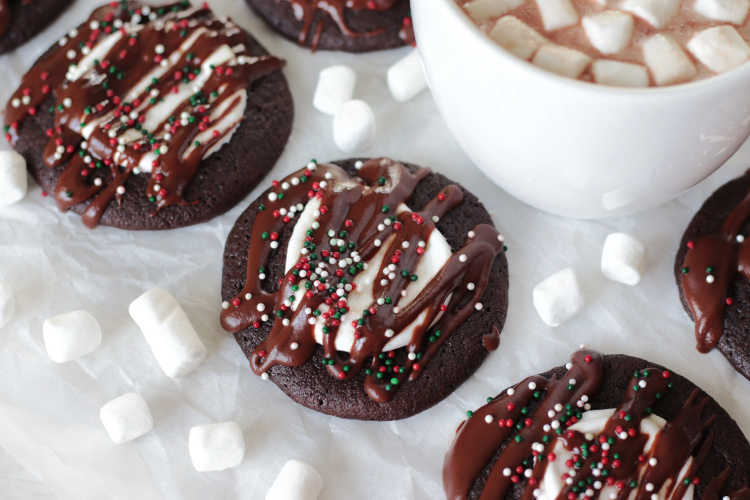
718 80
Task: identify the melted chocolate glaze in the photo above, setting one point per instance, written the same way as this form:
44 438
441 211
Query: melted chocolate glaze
305 11
515 433
134 92
709 269
364 211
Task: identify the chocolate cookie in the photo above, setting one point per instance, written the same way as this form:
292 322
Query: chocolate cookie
151 118
20 20
712 268
596 428
405 307
349 25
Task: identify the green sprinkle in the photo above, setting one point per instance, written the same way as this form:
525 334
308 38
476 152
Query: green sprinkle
469 413
518 438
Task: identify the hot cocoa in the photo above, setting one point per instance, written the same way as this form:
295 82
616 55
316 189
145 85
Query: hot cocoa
633 43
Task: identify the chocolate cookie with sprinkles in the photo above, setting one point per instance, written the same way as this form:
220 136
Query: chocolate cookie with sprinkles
151 117
600 427
365 289
348 25
21 20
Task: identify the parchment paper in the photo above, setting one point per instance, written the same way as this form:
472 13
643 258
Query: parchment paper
52 443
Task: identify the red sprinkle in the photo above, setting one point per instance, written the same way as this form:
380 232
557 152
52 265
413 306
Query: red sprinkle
691 244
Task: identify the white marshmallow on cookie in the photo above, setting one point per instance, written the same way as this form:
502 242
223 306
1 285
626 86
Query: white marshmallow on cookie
719 48
354 127
297 481
406 78
557 14
7 303
619 74
730 11
609 31
482 10
13 182
516 36
559 297
335 88
667 61
71 335
126 418
215 447
561 60
657 13
173 340
623 258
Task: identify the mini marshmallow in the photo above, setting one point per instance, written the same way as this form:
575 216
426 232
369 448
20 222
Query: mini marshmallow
655 12
730 11
561 60
176 346
619 74
517 36
720 48
126 418
559 297
623 258
667 61
406 78
482 10
354 127
13 183
609 31
7 303
557 14
71 335
335 88
215 447
297 481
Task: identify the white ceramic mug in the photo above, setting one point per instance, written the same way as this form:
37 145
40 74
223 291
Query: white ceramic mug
569 147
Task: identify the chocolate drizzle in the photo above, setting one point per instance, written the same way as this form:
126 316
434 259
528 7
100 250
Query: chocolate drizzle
305 11
358 223
709 269
523 429
138 89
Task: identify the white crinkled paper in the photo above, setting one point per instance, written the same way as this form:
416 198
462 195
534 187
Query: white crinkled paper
52 443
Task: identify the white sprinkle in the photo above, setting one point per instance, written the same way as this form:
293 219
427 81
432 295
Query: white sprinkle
225 305
655 496
67 102
71 54
500 238
558 407
511 391
584 398
605 446
274 244
642 384
120 190
478 306
248 296
383 282
272 196
435 219
405 244
264 317
293 346
62 41
73 33
323 184
537 493
261 307
462 258
470 286
471 234
710 278
506 472
285 322
546 428
572 381
488 419
740 238
587 407
555 424
312 165
15 102
532 385
387 222
295 181
389 333
589 436
264 376
649 487
159 49
568 366
97 182
412 356
623 435
396 310
328 175
284 186
312 320
94 25
551 414
358 165
381 227
652 462
377 243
